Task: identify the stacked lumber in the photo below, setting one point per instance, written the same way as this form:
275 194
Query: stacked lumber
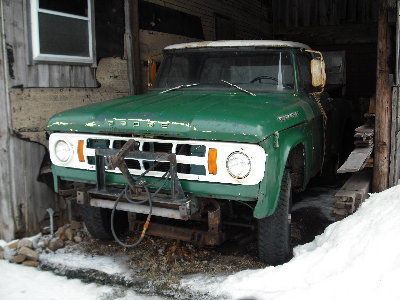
364 144
352 194
364 136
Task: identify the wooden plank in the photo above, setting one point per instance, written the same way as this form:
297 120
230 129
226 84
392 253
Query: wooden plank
383 106
366 129
352 194
394 150
31 198
7 225
394 175
134 24
88 77
129 45
15 37
77 76
397 66
54 75
44 75
356 160
17 181
364 136
396 172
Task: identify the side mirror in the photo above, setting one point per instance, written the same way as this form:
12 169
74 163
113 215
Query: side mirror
318 72
151 70
317 66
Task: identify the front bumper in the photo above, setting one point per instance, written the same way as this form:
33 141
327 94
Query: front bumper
195 188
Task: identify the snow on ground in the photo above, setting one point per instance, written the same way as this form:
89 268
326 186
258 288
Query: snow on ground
112 265
20 283
357 258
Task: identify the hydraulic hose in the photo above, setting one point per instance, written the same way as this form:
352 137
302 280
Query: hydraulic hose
149 199
146 224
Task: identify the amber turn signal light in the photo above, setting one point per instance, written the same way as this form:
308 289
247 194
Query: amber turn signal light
81 144
212 161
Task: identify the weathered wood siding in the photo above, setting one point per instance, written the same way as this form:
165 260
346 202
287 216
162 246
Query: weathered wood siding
7 224
31 197
251 18
31 108
314 13
23 200
21 71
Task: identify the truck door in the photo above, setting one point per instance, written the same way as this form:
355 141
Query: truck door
316 122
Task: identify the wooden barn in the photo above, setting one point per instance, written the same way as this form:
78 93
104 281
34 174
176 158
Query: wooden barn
57 55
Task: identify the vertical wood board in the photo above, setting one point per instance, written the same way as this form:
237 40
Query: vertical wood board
7 228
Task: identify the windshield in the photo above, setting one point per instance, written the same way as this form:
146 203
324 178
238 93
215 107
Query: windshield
253 70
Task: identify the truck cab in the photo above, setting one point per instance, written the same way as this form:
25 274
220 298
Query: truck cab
228 130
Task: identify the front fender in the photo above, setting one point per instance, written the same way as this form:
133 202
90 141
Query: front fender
277 155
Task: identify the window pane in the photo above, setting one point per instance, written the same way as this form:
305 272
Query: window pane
63 36
74 7
251 70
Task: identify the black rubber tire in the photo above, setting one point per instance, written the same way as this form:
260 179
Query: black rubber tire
97 221
274 245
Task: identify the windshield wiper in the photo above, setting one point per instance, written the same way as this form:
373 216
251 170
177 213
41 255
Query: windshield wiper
179 87
238 87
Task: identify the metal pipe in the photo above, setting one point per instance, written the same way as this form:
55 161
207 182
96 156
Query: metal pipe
51 215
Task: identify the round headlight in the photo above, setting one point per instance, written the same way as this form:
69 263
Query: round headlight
62 151
238 165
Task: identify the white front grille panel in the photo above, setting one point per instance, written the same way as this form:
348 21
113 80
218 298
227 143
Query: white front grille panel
224 149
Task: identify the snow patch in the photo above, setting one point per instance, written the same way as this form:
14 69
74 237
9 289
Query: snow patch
21 283
356 258
113 265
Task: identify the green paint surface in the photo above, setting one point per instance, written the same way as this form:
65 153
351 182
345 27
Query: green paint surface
222 116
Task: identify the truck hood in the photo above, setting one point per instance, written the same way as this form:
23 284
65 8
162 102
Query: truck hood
220 116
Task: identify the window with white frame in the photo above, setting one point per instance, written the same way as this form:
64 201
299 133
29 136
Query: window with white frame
62 31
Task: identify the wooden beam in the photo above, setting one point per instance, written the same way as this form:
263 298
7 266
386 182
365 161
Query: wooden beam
7 221
394 175
132 46
356 160
137 68
352 194
383 110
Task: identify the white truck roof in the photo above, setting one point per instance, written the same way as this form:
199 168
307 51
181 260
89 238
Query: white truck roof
238 43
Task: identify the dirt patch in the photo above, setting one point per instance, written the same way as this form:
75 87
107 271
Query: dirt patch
162 263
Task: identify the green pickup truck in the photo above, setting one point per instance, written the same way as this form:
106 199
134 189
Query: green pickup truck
228 130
